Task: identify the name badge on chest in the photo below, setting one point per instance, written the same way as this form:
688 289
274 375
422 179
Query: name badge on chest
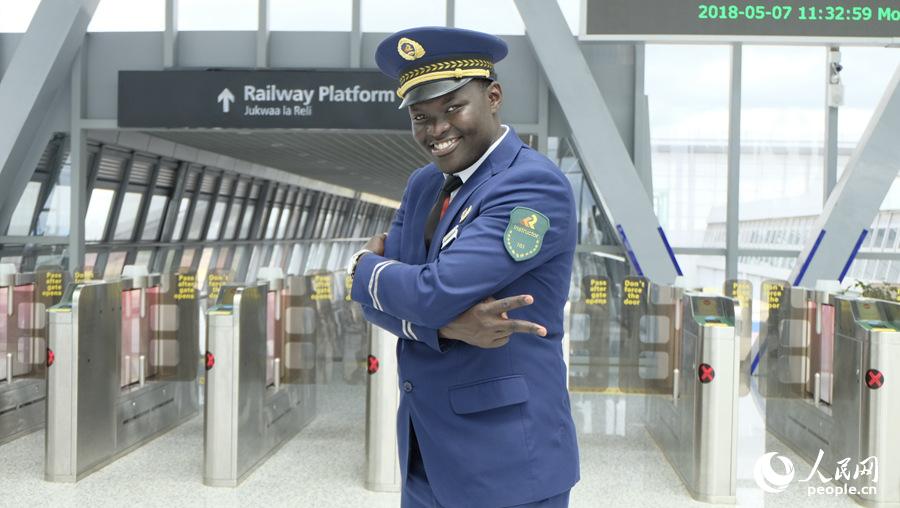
450 236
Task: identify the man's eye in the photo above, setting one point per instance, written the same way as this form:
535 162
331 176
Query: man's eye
419 118
453 108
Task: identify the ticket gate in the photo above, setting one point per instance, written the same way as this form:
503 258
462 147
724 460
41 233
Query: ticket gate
324 302
260 380
352 331
588 324
122 368
631 353
866 407
24 299
827 395
382 401
742 291
696 425
799 349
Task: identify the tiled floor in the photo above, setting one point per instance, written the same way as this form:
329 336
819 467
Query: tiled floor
324 465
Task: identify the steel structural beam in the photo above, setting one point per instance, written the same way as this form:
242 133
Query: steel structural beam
170 35
38 69
856 198
262 34
832 54
733 220
609 170
642 147
356 35
82 177
450 9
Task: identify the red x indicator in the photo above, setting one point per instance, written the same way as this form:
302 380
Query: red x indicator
210 360
874 379
706 373
51 357
373 364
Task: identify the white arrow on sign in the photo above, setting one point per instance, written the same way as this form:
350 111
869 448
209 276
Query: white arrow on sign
226 98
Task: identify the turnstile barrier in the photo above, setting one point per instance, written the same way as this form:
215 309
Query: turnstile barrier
302 331
257 399
696 425
866 398
328 347
353 331
117 378
837 406
632 353
383 399
24 300
742 291
589 322
799 328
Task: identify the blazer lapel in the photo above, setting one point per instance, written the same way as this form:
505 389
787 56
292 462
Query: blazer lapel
499 159
418 214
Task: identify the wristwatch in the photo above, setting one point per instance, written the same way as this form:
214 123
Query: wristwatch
354 260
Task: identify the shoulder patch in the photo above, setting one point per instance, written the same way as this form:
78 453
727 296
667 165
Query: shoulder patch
525 233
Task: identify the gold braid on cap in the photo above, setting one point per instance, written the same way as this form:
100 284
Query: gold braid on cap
448 69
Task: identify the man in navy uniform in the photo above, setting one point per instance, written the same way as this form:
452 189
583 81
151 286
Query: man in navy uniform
472 277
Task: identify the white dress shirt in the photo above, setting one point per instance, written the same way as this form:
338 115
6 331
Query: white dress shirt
469 171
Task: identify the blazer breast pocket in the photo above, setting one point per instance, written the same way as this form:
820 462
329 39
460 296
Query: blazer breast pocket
488 394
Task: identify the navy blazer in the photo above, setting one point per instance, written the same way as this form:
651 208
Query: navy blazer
494 426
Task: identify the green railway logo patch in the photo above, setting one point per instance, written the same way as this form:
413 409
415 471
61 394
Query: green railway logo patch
525 233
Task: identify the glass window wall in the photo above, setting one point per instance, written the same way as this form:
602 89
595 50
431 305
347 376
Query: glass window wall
233 217
688 136
500 17
182 216
218 15
127 216
154 217
97 214
217 218
392 15
197 219
129 16
20 222
311 15
115 261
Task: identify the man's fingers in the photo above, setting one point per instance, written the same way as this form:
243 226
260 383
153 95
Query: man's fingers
520 326
509 303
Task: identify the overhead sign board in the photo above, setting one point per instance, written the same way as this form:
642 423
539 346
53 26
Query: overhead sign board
849 21
259 99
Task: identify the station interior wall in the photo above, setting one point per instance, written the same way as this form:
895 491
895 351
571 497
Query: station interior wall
529 106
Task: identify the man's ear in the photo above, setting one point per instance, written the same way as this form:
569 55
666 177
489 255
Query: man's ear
495 96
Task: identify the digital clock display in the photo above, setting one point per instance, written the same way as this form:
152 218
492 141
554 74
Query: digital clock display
738 19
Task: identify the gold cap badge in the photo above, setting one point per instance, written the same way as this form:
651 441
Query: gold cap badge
410 49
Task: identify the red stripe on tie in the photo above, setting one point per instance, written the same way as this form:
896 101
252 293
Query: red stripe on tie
445 206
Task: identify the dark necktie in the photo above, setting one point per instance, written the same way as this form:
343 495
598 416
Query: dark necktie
452 183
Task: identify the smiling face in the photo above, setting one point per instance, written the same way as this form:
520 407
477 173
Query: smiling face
457 128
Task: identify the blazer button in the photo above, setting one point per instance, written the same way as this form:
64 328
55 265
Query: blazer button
407 386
